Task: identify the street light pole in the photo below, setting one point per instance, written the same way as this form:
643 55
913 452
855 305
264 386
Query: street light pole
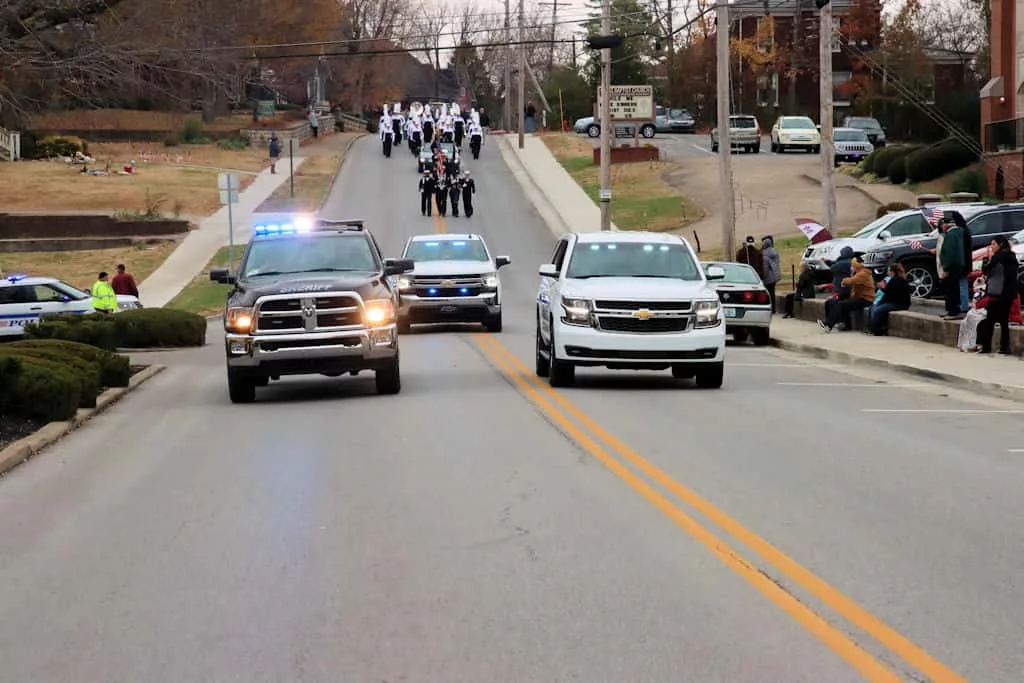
604 120
828 181
507 104
522 75
724 138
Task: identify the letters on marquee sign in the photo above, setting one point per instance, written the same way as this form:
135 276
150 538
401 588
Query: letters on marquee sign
631 102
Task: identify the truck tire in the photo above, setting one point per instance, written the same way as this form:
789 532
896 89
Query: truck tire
241 389
389 378
542 364
493 323
762 336
562 373
712 377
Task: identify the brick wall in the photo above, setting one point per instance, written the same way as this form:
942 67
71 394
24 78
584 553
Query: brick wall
1013 173
39 226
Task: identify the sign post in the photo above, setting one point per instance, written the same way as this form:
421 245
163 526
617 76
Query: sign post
228 185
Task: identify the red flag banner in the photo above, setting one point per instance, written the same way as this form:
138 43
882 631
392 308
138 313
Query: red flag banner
814 230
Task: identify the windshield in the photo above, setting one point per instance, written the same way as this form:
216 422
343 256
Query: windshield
306 254
737 273
872 226
1018 238
73 292
632 259
866 123
850 136
447 250
799 122
744 122
679 114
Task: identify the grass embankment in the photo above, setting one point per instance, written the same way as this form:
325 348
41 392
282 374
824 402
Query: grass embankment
643 200
80 268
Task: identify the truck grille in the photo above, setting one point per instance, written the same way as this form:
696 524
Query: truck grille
642 317
856 147
309 313
607 305
448 286
650 325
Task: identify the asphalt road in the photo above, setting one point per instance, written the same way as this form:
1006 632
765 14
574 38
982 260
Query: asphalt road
479 527
679 145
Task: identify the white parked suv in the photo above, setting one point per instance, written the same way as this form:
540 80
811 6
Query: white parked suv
630 301
25 300
455 280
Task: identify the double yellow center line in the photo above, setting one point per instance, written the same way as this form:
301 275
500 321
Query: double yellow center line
600 444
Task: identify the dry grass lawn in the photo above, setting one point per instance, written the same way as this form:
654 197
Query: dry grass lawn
80 268
312 183
130 120
174 180
642 199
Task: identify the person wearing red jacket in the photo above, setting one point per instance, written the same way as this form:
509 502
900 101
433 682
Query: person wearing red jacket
123 283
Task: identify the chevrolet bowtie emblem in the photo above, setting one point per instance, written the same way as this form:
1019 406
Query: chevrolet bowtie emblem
447 283
642 314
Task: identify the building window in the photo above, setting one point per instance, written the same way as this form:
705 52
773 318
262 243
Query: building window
840 88
768 90
926 88
836 35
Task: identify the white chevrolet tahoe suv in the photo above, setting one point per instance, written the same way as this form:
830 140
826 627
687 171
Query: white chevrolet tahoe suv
633 301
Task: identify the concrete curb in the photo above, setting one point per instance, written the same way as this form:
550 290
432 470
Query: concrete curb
157 349
855 186
1004 391
545 208
24 449
337 171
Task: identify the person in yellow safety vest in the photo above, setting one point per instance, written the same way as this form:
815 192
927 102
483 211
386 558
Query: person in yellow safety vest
103 298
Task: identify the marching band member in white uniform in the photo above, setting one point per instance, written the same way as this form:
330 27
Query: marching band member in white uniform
387 133
416 136
397 123
476 138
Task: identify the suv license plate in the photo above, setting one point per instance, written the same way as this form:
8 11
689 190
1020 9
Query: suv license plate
730 312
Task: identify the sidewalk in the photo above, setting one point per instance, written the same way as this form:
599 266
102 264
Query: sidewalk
543 179
994 375
881 193
196 250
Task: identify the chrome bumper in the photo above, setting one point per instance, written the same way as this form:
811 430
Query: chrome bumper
447 304
251 351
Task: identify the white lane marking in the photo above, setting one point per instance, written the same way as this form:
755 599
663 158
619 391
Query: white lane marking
703 149
845 384
942 410
1016 450
779 365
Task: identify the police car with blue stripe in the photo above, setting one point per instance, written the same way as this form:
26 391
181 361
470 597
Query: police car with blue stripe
24 300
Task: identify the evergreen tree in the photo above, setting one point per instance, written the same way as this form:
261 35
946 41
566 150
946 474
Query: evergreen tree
630 61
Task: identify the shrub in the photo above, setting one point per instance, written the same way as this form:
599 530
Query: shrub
970 180
172 140
191 131
137 328
882 158
890 157
115 370
892 207
235 143
87 373
44 391
929 163
898 171
60 146
867 165
10 370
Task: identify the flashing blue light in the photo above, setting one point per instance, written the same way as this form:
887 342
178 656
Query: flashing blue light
458 244
663 247
613 246
433 244
595 247
17 278
464 290
432 291
648 247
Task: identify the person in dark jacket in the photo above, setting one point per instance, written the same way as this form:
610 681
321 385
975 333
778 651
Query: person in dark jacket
804 290
455 193
749 253
468 190
895 297
1001 278
427 185
965 284
841 269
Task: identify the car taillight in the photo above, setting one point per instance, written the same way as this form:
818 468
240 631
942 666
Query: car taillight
748 297
763 298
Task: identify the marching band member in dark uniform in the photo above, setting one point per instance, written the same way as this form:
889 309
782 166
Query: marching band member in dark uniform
397 123
387 134
441 195
476 138
454 192
459 131
468 190
427 184
451 166
416 139
428 126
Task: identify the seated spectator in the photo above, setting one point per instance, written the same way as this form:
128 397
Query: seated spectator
804 290
967 339
893 295
862 293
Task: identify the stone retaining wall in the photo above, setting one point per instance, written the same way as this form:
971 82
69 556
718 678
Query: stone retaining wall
43 226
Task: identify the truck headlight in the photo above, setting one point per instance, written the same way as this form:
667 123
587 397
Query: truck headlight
708 314
577 312
379 312
491 281
239 320
404 283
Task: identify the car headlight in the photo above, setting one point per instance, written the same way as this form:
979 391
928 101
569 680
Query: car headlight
379 312
577 312
709 314
491 281
239 320
404 283
881 255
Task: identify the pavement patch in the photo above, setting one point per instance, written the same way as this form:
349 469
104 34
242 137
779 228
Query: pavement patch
24 449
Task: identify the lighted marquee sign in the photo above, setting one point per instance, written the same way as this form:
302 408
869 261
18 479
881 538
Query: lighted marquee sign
630 102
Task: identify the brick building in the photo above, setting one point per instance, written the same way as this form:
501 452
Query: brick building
1002 102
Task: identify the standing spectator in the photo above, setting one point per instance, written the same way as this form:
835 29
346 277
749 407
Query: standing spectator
965 285
314 123
1001 290
772 269
485 121
951 261
103 298
531 117
274 150
123 283
749 253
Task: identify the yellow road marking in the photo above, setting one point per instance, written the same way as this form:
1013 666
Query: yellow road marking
862 661
439 225
891 639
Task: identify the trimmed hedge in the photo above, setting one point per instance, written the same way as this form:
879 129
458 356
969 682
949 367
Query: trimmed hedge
137 328
867 165
10 371
87 373
970 180
892 207
45 391
115 370
893 157
929 163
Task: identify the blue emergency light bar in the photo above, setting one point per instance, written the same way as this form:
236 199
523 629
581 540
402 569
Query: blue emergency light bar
17 277
302 225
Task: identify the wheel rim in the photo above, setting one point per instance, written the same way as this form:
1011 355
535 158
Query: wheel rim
921 281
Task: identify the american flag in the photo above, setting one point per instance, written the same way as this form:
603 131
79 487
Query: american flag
917 244
932 216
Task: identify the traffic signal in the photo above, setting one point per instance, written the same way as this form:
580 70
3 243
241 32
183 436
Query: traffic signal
604 42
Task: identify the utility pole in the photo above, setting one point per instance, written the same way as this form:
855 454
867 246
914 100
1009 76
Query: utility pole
828 181
554 23
724 139
604 119
671 53
522 75
507 105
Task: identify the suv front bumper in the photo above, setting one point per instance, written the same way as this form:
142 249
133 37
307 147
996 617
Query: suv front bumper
312 352
589 346
413 308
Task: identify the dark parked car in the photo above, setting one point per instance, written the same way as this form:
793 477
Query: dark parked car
870 126
985 221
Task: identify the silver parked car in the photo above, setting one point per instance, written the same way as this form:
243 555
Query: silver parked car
588 126
674 121
851 144
744 133
746 304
